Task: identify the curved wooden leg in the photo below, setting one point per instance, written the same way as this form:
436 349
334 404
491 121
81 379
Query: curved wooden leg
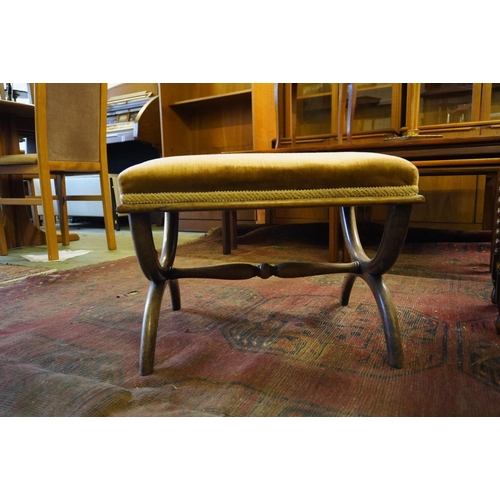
391 244
150 327
156 270
387 313
389 319
147 256
371 270
175 294
345 294
170 239
169 249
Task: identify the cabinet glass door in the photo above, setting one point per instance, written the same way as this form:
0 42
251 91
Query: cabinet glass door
374 108
446 103
494 108
377 110
314 109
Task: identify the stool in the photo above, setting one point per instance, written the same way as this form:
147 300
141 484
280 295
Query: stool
268 180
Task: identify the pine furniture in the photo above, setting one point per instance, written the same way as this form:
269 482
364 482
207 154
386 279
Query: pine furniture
70 131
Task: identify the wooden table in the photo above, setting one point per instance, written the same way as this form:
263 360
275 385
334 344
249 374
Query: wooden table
17 120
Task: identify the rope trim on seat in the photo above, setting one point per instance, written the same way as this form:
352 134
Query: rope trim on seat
271 195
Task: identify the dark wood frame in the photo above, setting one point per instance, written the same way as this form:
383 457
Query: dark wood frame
160 271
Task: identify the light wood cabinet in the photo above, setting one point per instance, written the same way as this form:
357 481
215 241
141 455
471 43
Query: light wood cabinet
451 201
206 118
212 118
378 110
452 110
311 113
446 109
490 109
391 112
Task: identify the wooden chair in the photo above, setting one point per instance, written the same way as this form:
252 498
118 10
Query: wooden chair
70 130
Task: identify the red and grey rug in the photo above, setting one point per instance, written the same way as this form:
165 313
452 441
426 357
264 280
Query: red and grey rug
69 341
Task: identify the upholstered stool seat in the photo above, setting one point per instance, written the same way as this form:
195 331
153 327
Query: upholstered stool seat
268 180
262 180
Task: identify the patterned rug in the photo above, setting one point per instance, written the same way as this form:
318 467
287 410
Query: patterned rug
69 340
11 273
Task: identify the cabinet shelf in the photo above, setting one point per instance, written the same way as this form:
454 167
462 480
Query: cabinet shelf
213 100
447 91
314 96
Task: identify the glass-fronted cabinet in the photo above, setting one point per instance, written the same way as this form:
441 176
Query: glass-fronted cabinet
316 108
377 109
314 114
490 109
310 112
446 103
492 98
449 109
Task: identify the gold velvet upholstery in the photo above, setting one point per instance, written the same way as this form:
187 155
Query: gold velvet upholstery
70 132
268 180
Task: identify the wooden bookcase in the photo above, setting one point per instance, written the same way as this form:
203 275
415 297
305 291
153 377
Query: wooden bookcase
213 118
